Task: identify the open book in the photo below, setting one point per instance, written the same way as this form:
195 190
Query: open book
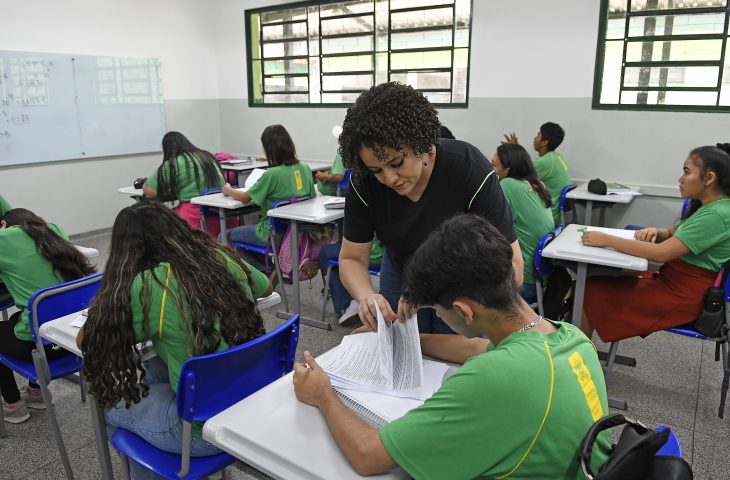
382 375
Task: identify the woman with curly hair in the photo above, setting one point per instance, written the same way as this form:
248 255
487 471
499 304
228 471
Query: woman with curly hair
177 287
35 255
406 182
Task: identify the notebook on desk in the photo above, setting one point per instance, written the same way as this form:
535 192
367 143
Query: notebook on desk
335 203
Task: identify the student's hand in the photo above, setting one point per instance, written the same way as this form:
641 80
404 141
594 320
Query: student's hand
511 138
311 384
405 310
647 234
362 329
320 176
595 239
227 189
369 316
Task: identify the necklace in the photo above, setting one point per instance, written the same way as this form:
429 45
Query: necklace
531 324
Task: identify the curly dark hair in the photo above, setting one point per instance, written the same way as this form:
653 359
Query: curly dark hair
145 235
388 115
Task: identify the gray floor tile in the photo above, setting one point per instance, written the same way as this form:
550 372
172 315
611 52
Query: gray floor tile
707 420
710 457
83 463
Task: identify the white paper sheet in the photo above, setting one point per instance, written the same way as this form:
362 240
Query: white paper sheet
253 177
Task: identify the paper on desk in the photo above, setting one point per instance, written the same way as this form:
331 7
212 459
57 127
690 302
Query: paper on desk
80 319
616 232
253 177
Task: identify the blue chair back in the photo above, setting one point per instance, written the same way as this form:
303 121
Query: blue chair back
204 211
685 206
688 330
344 184
563 204
544 266
211 383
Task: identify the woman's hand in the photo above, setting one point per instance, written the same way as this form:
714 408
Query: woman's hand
650 235
405 309
227 189
369 316
510 138
595 239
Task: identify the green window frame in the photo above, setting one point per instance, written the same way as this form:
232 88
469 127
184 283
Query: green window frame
326 52
665 55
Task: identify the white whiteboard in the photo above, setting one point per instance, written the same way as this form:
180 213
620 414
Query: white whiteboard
60 107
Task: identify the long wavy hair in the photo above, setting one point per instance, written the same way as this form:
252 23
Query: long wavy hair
67 261
143 236
517 160
278 146
715 159
205 168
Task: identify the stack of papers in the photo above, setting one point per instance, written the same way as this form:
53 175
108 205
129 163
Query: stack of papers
335 203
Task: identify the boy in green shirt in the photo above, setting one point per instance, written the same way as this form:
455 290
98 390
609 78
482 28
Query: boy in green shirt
521 404
327 181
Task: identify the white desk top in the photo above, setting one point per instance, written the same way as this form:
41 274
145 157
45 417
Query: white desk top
581 193
274 432
219 200
568 246
131 191
310 211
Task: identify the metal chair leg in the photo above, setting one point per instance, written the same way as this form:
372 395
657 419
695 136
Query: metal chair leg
725 380
3 432
82 387
610 362
540 307
326 291
275 257
5 315
125 466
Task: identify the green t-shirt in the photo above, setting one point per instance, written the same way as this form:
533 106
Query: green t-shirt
187 188
522 408
330 188
25 271
553 171
707 235
4 206
532 219
168 327
280 183
376 252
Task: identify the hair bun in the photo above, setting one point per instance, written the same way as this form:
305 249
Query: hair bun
725 147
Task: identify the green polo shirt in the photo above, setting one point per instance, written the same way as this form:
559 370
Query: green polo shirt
553 171
519 410
187 187
330 188
25 271
280 183
707 235
4 206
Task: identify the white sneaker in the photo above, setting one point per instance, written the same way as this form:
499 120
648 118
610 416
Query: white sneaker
350 312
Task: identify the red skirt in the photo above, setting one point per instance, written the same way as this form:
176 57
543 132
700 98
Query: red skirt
624 307
191 214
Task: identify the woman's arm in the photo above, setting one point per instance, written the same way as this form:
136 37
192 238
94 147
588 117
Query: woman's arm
148 191
328 177
518 263
239 195
656 252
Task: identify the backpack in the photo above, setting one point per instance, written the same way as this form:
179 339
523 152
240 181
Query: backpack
559 283
230 176
311 240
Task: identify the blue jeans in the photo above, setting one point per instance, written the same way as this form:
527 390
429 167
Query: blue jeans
155 419
341 298
391 287
245 234
528 291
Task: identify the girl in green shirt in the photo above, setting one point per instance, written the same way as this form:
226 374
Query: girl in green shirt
179 288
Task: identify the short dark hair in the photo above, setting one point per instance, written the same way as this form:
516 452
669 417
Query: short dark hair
278 146
553 133
464 257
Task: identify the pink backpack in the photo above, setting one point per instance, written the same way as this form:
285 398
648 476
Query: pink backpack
311 240
228 175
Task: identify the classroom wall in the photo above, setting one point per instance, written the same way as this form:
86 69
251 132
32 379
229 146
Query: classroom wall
82 195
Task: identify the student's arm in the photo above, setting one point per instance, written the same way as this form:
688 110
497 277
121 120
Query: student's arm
359 442
80 337
452 348
149 191
654 235
239 195
518 263
656 252
329 177
354 261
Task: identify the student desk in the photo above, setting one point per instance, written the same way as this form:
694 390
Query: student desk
582 194
308 211
62 333
244 169
135 193
226 207
284 438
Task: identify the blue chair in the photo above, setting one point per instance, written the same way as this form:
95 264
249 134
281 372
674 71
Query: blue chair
208 385
565 204
332 263
543 266
344 184
45 305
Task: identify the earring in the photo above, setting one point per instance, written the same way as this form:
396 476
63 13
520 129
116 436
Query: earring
425 163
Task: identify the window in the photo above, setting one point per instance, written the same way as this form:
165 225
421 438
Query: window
327 53
663 55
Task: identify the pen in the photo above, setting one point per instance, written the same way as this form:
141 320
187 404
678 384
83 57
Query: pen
582 229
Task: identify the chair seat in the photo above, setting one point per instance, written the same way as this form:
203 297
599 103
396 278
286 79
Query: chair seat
250 248
60 367
688 331
164 463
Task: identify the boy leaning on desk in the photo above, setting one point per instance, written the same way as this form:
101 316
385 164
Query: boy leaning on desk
521 403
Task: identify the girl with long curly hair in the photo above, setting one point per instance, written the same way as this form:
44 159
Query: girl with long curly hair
177 287
34 255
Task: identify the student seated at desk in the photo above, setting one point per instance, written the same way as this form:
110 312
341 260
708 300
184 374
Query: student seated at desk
550 165
35 255
176 286
692 251
529 201
4 206
521 404
327 181
186 171
285 178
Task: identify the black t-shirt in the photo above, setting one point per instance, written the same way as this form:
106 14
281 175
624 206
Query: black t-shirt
462 181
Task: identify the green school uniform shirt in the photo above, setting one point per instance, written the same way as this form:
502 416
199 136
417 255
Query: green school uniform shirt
4 206
376 252
532 220
280 183
553 171
330 188
168 326
187 188
519 410
25 271
707 235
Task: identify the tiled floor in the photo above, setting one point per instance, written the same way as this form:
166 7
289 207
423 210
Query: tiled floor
676 383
